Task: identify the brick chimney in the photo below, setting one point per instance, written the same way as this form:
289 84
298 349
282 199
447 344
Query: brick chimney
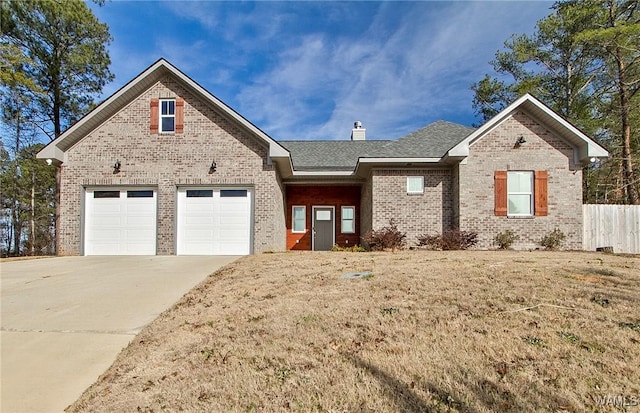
358 132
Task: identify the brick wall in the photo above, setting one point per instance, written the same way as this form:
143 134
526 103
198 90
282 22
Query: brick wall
415 214
366 206
167 161
542 151
309 196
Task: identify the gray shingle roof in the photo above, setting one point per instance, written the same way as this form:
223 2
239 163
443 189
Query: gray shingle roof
338 155
432 141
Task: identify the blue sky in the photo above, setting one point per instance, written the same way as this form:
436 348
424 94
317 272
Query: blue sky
308 70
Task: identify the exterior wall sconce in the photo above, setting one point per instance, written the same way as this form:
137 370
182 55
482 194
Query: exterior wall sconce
213 167
116 167
520 141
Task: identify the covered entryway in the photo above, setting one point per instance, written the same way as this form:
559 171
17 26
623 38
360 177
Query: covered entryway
214 221
323 228
120 221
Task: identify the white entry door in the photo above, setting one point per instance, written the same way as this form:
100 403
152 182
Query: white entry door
120 221
214 221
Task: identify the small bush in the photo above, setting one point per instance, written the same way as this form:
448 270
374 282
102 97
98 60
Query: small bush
553 240
450 240
505 239
386 238
353 248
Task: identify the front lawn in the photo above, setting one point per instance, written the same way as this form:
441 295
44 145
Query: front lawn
425 332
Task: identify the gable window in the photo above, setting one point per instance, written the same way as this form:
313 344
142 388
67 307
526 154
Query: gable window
521 193
167 115
348 220
415 184
299 219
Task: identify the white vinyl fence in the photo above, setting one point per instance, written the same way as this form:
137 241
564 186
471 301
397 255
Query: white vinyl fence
616 226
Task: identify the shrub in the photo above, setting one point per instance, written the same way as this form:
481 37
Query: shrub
353 248
553 240
505 239
389 237
450 240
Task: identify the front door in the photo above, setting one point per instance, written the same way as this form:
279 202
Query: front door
323 228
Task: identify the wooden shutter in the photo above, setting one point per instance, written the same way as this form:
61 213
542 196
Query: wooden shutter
540 193
179 115
155 114
500 190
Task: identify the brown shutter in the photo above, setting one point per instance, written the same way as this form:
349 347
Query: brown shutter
179 115
540 193
500 188
155 113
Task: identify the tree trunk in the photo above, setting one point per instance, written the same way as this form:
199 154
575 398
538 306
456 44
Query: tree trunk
627 165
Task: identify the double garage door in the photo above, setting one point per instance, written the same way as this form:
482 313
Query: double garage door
210 221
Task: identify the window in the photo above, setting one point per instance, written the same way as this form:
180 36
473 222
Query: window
348 220
106 194
167 115
415 184
233 193
520 193
140 194
199 193
299 219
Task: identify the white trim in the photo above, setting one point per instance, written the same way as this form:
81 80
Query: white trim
585 149
399 160
322 173
293 219
313 218
353 220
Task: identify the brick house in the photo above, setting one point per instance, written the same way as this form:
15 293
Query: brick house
164 167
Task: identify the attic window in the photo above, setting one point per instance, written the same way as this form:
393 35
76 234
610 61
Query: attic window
167 115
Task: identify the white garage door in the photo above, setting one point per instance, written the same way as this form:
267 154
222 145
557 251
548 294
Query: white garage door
120 221
214 221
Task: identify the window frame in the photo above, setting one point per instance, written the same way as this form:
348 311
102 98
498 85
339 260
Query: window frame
162 116
304 219
409 178
352 219
530 193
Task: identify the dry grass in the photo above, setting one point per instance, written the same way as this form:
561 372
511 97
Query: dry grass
428 332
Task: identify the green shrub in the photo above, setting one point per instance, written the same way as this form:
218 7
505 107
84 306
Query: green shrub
505 239
450 240
386 238
553 240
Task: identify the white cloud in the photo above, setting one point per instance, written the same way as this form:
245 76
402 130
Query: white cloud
396 82
308 70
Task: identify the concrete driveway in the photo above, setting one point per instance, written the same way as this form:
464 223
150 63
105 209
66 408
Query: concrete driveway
64 320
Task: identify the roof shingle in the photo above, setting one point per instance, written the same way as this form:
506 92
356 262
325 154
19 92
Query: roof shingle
432 141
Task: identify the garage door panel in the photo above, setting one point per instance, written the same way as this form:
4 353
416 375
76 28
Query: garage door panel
120 222
214 222
141 221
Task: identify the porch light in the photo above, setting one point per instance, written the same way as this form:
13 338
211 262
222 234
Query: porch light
213 167
520 141
116 167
